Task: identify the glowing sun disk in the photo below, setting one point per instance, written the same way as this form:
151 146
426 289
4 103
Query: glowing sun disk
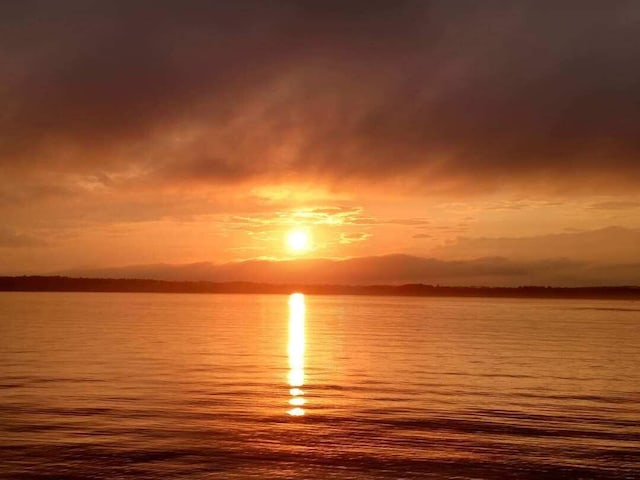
298 241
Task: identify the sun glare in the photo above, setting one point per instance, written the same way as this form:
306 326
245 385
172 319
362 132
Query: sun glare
296 349
298 241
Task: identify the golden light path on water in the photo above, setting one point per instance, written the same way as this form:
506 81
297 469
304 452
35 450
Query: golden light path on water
296 348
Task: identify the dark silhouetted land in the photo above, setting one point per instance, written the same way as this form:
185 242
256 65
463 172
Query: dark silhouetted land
69 284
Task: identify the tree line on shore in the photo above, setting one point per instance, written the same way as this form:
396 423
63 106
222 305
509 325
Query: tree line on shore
70 284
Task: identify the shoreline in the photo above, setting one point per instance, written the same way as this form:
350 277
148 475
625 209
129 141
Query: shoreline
109 285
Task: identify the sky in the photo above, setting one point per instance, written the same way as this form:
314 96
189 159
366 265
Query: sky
458 143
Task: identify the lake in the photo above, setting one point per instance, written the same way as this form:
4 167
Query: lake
172 386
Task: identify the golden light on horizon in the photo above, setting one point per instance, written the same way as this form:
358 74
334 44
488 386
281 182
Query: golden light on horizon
296 349
298 241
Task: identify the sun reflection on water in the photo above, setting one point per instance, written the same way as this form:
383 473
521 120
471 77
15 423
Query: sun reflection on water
296 348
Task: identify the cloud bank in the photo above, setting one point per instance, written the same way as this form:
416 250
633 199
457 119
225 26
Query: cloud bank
445 96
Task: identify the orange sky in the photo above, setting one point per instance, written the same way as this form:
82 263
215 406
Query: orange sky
178 134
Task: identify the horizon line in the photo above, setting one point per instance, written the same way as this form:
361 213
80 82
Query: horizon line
59 283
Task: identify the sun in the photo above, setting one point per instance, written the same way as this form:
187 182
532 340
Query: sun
298 241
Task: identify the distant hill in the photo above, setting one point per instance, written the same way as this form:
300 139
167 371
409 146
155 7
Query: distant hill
70 284
392 269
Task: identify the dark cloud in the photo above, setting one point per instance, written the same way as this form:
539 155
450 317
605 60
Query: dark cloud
389 269
446 95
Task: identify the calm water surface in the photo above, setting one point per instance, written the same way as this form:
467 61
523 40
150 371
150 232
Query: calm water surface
145 386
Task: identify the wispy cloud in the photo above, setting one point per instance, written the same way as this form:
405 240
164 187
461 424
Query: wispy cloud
615 206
